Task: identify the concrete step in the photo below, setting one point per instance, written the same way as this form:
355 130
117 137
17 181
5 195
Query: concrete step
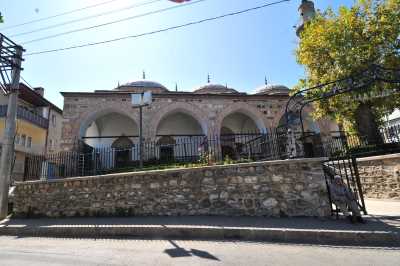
378 231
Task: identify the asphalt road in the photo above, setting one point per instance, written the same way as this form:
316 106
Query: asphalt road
46 251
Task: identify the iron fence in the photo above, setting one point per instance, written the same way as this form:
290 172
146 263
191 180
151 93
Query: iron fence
172 150
166 151
342 143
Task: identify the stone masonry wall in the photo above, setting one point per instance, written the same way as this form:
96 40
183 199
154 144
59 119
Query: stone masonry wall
380 176
278 188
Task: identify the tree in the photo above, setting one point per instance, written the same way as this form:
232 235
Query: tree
1 18
334 46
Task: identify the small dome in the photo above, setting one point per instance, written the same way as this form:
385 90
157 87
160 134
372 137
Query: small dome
272 90
143 85
214 89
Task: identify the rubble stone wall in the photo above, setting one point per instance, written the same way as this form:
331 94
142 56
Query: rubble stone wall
380 176
277 188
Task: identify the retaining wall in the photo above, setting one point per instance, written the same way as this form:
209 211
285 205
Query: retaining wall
380 176
278 188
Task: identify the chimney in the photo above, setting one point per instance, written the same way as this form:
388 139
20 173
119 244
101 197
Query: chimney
39 90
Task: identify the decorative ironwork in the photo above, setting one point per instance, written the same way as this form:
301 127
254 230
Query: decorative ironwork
355 83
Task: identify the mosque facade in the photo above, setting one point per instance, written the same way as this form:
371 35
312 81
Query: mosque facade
106 118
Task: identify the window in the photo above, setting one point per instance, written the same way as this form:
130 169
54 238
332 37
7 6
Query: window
51 144
29 142
23 140
53 120
17 138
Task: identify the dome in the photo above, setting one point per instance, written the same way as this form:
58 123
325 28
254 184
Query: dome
214 89
143 85
272 90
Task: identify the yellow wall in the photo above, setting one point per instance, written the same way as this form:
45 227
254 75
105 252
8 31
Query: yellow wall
37 134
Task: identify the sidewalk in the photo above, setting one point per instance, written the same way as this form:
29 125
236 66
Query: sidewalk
380 230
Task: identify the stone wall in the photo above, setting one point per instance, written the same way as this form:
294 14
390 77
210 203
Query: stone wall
278 188
380 176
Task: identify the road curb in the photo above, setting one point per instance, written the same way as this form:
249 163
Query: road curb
323 237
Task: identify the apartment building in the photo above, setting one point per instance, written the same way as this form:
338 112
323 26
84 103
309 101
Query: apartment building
39 125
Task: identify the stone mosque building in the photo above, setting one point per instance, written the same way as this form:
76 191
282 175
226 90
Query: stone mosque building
106 118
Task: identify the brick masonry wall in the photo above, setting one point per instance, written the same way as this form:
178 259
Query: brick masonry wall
380 176
279 188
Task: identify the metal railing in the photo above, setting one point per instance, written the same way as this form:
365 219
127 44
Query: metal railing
343 144
27 116
163 153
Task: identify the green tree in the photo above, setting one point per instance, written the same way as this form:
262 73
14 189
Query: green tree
1 18
334 46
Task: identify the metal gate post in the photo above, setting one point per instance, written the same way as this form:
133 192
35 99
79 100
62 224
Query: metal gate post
357 176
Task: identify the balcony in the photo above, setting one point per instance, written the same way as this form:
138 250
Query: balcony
27 116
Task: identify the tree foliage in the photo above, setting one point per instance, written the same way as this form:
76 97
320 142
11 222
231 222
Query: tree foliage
1 18
334 46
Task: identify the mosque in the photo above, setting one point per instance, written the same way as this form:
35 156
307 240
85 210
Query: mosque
106 118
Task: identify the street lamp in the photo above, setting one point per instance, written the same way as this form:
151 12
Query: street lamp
140 100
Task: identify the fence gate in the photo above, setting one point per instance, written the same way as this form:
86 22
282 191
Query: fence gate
346 168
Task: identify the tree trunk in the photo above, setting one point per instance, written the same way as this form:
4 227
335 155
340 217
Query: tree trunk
366 124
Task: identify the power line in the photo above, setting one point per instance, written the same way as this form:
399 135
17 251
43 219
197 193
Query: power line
59 15
114 22
27 83
86 18
160 30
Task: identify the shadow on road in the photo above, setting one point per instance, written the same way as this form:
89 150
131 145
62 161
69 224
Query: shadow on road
177 252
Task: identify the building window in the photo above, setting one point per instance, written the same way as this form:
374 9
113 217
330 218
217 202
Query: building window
23 140
53 120
51 144
17 138
29 142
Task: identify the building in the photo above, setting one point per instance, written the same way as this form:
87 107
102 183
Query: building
38 128
393 120
106 118
307 13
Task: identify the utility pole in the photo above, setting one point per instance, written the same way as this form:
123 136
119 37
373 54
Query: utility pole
141 136
7 153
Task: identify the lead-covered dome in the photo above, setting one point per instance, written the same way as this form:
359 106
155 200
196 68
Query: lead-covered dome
214 89
143 85
272 90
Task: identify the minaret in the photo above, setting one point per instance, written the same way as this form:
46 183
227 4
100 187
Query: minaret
307 13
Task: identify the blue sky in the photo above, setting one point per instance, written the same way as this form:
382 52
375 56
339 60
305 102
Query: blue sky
239 51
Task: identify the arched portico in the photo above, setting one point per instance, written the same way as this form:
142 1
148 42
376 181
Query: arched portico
190 113
179 135
240 118
103 128
239 127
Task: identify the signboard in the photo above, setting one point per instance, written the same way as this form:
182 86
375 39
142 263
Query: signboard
141 99
147 97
